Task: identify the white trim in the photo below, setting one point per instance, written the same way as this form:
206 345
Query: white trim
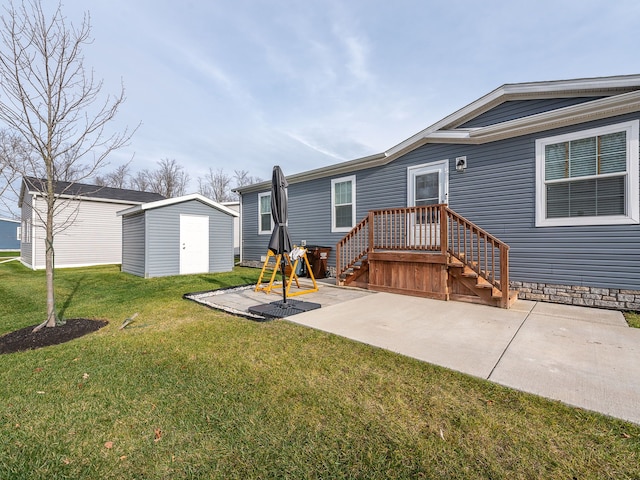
260 231
441 166
241 229
632 201
334 181
173 201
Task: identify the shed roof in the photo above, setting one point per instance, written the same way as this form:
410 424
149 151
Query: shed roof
613 95
87 191
176 200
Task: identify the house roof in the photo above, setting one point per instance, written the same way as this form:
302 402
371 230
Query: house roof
176 200
613 96
87 191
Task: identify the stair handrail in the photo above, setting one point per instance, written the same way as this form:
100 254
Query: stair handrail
352 247
483 264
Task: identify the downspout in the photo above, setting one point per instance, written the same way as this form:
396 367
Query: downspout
32 231
240 221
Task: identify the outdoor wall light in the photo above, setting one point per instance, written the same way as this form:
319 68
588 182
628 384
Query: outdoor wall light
461 163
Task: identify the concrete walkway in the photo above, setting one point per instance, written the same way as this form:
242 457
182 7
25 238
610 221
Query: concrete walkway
584 357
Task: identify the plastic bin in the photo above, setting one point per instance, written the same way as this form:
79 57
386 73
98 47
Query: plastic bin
318 258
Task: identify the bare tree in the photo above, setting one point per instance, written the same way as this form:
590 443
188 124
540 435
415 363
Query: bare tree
215 185
169 179
52 102
13 153
243 178
141 181
119 178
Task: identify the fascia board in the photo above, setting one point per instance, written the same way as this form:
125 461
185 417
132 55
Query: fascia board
328 171
596 109
531 90
175 200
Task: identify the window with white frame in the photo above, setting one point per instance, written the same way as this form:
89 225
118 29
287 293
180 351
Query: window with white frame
343 203
265 222
588 177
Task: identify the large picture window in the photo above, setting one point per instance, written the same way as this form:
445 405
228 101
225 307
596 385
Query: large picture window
588 177
343 203
265 223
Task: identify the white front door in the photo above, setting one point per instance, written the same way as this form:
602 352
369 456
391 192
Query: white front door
427 184
194 244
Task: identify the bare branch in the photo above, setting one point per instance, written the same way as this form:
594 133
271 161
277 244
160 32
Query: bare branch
55 106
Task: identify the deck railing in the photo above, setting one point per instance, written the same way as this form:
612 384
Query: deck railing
429 228
353 247
479 250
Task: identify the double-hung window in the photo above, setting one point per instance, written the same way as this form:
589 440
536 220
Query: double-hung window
343 203
265 222
588 177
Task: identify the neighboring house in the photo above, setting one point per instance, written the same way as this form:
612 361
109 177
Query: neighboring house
549 168
235 206
88 231
9 235
176 236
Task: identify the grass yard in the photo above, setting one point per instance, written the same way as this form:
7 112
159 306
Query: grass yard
186 392
633 319
9 254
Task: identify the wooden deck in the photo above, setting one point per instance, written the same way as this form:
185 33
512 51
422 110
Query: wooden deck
427 251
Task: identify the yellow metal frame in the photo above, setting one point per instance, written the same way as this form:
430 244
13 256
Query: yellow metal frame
292 275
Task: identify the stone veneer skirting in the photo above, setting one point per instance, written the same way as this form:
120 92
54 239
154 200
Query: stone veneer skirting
618 299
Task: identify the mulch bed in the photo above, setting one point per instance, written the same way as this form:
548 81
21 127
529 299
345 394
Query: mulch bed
25 339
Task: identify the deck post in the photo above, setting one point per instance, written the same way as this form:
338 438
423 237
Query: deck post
338 264
371 232
444 230
504 275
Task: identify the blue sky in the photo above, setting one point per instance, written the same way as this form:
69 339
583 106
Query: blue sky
250 84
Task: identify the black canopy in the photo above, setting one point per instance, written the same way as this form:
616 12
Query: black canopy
280 241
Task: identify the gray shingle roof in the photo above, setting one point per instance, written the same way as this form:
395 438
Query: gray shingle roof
93 191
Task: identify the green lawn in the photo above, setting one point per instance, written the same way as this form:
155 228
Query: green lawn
9 254
633 319
186 392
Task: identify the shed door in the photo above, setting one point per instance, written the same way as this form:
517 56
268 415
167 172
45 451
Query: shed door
194 244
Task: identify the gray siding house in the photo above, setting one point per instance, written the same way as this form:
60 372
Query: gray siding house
550 168
9 235
87 228
177 236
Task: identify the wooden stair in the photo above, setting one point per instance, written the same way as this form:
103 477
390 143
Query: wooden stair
477 283
429 251
356 275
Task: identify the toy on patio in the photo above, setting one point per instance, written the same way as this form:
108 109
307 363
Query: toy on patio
291 263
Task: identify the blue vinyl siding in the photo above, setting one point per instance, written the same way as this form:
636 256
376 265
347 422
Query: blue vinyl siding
8 235
133 244
497 192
